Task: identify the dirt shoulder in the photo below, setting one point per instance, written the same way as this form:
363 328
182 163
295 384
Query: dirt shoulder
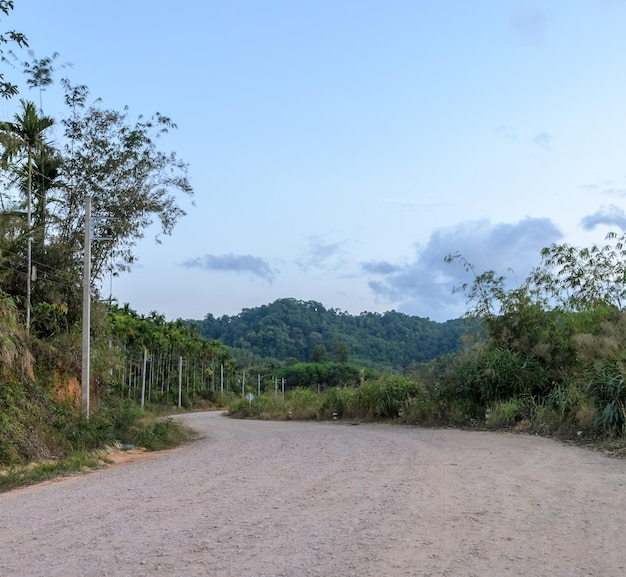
263 499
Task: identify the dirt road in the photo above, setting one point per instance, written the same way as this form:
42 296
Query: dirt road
264 499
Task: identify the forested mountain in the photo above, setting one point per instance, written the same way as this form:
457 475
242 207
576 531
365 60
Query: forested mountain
307 331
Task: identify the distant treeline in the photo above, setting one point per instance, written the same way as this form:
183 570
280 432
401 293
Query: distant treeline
305 331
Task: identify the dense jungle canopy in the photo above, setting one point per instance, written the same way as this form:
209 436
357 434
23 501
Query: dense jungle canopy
307 331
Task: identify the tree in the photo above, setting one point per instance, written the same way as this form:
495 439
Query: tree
26 133
584 278
8 89
319 354
218 354
306 330
46 171
117 163
340 352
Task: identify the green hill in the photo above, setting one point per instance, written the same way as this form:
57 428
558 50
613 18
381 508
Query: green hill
307 331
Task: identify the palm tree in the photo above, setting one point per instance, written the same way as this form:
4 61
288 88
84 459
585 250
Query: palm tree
25 134
45 177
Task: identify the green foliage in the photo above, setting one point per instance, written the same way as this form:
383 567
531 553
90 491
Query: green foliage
422 410
302 403
117 162
388 396
345 401
163 345
161 434
584 278
567 398
123 421
322 375
505 414
8 89
319 354
86 437
546 420
484 293
49 319
385 398
498 374
21 476
27 430
306 331
562 327
608 392
262 407
103 154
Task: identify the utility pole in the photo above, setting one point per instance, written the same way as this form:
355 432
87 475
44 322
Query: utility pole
108 235
143 378
84 405
29 258
180 382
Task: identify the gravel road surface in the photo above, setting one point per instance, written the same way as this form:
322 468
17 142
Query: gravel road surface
290 499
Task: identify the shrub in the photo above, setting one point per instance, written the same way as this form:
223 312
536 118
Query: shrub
567 399
340 399
161 434
499 374
302 403
421 410
545 420
505 414
387 396
608 392
458 411
261 407
586 417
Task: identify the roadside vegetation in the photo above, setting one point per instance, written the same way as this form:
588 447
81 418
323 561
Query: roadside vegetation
547 357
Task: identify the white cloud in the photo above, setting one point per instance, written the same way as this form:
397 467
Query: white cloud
608 215
425 286
238 263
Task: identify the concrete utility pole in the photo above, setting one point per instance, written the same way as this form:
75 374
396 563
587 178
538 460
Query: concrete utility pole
84 405
29 266
180 382
143 377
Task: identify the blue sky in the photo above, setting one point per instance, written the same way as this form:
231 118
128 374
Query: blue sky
339 150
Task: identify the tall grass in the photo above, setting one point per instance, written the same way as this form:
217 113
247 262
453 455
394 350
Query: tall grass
607 389
567 412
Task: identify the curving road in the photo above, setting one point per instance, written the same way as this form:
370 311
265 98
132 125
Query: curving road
289 499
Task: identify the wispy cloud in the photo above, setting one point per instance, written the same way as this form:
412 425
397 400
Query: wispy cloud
608 215
506 132
529 21
425 286
415 204
321 253
544 140
607 187
380 267
237 263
